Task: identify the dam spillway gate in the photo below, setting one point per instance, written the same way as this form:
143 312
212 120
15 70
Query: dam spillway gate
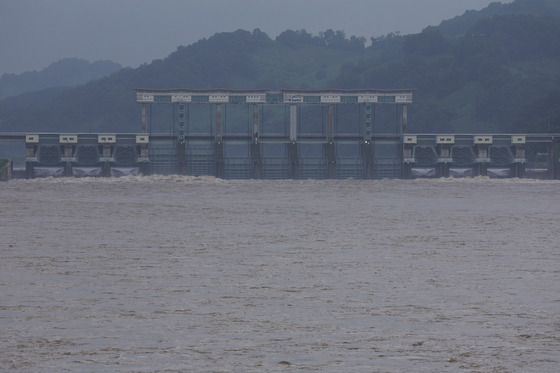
285 134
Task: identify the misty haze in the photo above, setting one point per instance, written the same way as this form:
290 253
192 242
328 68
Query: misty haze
258 186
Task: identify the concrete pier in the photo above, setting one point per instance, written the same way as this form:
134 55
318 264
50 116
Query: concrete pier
79 155
6 168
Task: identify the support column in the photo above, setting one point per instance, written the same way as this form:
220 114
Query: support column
105 158
6 173
444 154
219 159
293 123
330 123
68 154
219 122
368 143
219 146
407 170
29 156
482 143
367 154
106 169
519 149
519 170
256 158
330 146
404 118
293 157
330 152
143 118
30 150
143 149
444 169
409 142
255 123
181 154
482 169
68 169
550 160
29 170
144 166
368 123
106 151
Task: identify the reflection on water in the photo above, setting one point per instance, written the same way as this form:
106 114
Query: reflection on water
178 273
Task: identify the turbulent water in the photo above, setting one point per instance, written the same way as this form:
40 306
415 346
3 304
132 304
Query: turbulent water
169 274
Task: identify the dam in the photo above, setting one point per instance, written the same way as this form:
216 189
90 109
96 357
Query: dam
287 134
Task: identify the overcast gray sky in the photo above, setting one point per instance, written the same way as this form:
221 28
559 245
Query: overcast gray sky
35 33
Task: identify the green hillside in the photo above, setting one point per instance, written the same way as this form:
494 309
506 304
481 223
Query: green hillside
496 76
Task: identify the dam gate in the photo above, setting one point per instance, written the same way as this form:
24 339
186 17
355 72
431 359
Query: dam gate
289 134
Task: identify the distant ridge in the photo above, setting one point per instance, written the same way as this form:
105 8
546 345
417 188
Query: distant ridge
65 72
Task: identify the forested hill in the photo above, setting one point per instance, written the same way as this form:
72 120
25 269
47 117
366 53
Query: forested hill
66 72
460 25
240 59
501 74
480 82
